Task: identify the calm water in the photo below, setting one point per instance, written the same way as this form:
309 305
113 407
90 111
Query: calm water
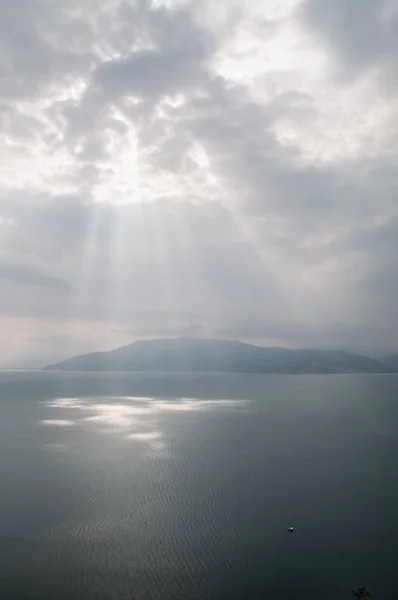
182 487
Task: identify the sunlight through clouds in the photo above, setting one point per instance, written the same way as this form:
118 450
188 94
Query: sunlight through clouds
179 166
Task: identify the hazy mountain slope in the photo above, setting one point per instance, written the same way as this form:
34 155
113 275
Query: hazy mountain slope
391 361
187 354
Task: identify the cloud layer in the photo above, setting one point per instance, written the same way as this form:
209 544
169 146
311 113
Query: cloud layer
197 168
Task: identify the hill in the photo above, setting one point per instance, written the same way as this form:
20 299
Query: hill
390 361
188 354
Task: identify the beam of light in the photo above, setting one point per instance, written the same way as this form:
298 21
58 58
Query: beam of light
119 181
203 180
280 283
163 237
86 266
90 316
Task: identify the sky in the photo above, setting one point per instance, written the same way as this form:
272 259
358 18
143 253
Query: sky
197 168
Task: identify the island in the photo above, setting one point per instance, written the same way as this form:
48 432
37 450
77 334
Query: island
215 355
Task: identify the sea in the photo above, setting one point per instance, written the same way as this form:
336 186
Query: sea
132 486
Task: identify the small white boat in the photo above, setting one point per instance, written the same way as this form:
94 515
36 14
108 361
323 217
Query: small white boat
291 529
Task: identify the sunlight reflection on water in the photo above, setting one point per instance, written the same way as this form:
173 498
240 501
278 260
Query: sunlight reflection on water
134 418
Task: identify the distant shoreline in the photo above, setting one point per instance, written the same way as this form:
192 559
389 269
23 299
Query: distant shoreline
163 373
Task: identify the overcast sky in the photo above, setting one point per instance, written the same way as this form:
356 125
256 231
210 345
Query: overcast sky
206 168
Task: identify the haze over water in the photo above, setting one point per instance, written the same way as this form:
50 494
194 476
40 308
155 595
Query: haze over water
172 486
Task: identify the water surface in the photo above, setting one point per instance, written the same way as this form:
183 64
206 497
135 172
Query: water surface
148 487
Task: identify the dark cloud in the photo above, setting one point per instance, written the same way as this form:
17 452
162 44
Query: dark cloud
30 276
177 60
46 227
40 45
362 34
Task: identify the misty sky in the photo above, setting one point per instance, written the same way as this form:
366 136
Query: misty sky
206 168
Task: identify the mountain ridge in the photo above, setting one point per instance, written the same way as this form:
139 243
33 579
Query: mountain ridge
219 355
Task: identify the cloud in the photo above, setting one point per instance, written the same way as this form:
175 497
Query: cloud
362 35
181 168
161 330
176 60
40 46
26 275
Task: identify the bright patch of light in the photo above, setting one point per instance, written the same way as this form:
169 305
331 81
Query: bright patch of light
133 418
72 92
270 62
151 435
175 101
223 16
199 156
354 132
119 180
38 159
37 166
284 67
57 423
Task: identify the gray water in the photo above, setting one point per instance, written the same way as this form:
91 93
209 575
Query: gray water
156 487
